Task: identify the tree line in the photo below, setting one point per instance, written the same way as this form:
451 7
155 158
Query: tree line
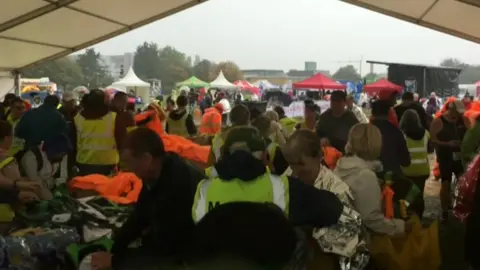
150 62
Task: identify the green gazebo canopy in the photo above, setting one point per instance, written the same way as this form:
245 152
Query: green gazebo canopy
193 82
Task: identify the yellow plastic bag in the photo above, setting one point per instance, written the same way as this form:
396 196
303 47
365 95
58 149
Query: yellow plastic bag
419 250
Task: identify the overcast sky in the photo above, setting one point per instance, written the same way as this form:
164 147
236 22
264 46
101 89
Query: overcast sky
282 34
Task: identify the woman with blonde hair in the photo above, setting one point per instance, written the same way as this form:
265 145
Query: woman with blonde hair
357 169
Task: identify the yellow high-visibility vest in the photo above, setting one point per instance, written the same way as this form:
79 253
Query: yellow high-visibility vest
96 143
17 144
418 149
267 188
288 124
178 127
6 212
217 143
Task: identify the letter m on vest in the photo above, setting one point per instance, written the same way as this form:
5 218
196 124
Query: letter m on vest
212 205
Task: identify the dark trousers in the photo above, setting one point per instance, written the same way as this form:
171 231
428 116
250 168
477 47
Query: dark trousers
225 119
87 169
418 206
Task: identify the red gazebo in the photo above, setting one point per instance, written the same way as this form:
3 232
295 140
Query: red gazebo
244 85
319 81
382 85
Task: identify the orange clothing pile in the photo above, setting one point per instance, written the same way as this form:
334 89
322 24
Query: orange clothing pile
173 143
123 188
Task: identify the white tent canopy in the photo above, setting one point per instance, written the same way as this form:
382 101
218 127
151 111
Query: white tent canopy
264 84
132 85
35 31
459 18
222 82
129 80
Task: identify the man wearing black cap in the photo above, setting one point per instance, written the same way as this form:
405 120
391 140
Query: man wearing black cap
334 124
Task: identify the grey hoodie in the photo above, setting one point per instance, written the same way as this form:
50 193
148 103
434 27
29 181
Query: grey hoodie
359 175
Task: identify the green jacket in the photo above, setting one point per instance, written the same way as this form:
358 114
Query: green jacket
471 143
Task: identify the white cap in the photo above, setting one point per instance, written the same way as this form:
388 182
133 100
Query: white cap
458 106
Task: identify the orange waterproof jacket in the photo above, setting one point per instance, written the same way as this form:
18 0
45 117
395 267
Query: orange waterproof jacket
173 143
211 122
123 188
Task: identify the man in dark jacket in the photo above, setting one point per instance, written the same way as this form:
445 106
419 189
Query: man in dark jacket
42 123
408 102
335 123
394 152
162 215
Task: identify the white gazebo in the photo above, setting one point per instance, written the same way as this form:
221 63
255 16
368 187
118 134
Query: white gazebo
132 85
222 83
265 85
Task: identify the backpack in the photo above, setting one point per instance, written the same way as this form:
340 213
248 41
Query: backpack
465 190
38 156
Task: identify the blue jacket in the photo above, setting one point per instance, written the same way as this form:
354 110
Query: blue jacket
40 124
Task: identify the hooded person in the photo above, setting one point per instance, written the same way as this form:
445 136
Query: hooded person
212 120
241 174
417 139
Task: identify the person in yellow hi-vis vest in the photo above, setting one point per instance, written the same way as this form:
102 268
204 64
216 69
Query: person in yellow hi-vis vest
6 105
17 109
417 143
99 134
276 160
288 124
11 190
239 116
241 175
179 121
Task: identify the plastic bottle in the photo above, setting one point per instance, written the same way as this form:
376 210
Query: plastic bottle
387 196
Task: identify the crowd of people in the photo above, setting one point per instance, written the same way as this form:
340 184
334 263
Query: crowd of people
275 193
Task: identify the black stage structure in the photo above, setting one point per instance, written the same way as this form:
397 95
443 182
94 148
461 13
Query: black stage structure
423 79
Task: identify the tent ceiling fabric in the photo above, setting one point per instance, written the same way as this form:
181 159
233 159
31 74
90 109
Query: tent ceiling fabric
459 18
33 31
